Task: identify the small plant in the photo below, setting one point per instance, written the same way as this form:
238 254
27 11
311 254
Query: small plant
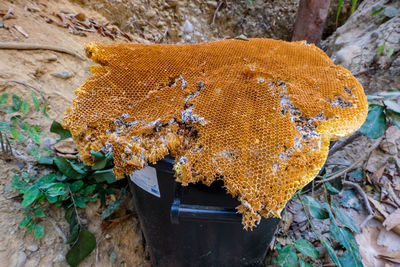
341 233
67 183
339 8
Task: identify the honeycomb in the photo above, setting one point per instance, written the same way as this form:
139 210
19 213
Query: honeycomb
258 114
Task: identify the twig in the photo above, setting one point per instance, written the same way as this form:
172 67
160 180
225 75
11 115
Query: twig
58 230
76 211
32 46
365 197
27 85
340 144
393 195
220 2
308 217
352 166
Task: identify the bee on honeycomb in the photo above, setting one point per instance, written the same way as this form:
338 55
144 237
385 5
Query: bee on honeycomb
258 114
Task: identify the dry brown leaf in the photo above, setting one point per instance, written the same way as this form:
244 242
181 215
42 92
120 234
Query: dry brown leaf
66 146
378 174
392 220
378 206
391 256
369 249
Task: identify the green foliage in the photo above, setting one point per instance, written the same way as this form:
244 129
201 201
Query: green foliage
342 234
381 115
58 129
69 184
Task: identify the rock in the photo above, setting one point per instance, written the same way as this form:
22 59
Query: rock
63 74
20 164
188 27
21 259
48 142
32 248
29 148
187 38
354 45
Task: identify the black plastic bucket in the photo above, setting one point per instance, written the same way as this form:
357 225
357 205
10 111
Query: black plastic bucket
194 225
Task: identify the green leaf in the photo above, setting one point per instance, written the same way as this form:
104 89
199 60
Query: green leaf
57 189
68 168
287 257
331 252
339 9
3 99
395 117
331 188
304 263
353 6
25 221
25 107
317 209
17 102
100 160
35 102
80 202
104 176
15 119
376 12
39 231
46 181
38 212
58 129
18 184
29 227
390 12
380 49
4 125
75 186
390 51
88 190
306 248
9 109
30 196
110 209
393 106
15 133
345 219
349 199
347 240
356 175
375 125
34 133
82 248
73 234
46 160
51 199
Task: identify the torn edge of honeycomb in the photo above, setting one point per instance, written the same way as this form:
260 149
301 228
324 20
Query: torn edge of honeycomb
262 128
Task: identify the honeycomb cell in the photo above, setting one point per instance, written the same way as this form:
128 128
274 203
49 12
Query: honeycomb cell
258 114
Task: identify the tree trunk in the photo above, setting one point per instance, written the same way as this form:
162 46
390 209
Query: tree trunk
310 20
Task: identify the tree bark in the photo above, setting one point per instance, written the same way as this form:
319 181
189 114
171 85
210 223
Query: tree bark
310 20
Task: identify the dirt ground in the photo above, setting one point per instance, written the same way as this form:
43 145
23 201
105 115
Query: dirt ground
38 69
57 75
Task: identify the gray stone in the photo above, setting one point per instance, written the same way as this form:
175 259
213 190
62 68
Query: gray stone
63 75
21 259
188 27
32 248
